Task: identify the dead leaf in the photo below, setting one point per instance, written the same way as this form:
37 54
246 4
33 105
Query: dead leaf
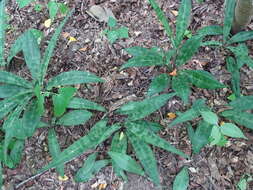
102 186
174 12
171 115
100 13
71 39
47 23
63 178
65 34
173 73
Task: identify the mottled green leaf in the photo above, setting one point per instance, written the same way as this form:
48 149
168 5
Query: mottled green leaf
154 127
200 137
116 34
215 135
71 78
125 162
54 149
50 48
158 84
182 180
97 135
242 103
52 8
40 99
146 157
161 16
7 90
241 118
203 79
183 20
9 78
228 18
141 109
112 22
185 53
211 30
139 51
241 37
80 103
16 151
119 144
149 137
62 99
241 52
75 117
181 86
31 53
1 174
2 33
231 130
233 68
209 117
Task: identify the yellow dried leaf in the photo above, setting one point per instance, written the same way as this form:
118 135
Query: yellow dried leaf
47 23
83 49
102 186
72 39
63 178
171 115
173 73
174 12
222 123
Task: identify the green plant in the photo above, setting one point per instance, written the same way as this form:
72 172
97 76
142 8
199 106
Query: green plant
173 59
23 101
135 131
115 32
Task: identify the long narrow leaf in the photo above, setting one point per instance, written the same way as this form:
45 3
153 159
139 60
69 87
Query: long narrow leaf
50 48
146 157
98 134
161 16
16 151
210 30
7 90
9 78
181 86
71 78
1 175
242 103
75 117
2 31
241 37
81 103
158 84
149 137
228 18
54 149
31 53
234 70
183 20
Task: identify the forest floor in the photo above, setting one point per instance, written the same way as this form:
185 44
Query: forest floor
214 168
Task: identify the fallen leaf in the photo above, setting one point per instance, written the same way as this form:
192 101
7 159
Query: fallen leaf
47 23
102 14
174 12
71 39
83 49
63 178
102 186
173 73
171 115
65 34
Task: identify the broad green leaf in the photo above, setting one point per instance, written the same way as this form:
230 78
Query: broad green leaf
168 56
212 30
62 99
26 126
40 99
144 61
146 157
52 8
241 52
7 90
215 135
190 114
141 109
185 53
154 127
50 48
203 79
200 137
182 180
158 84
3 25
211 43
75 117
183 20
161 16
149 137
112 22
71 78
80 103
16 151
9 78
54 149
97 135
228 18
125 162
181 86
116 34
242 103
23 3
210 117
85 172
241 37
119 144
233 68
231 130
31 53
241 118
139 51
